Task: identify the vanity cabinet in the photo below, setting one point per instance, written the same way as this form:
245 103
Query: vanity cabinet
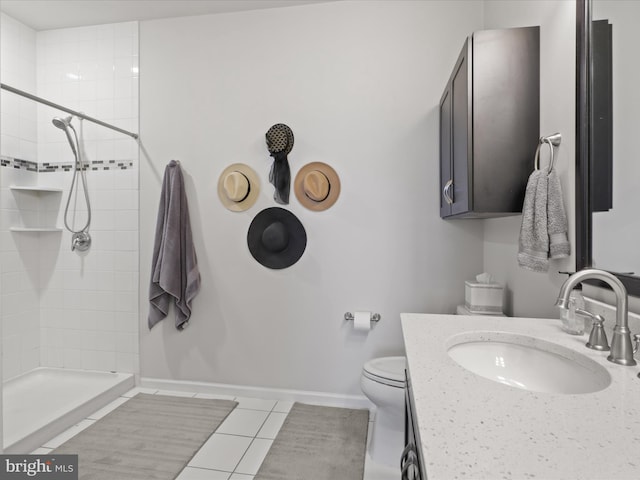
490 124
411 461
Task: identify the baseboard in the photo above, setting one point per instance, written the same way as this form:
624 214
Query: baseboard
314 398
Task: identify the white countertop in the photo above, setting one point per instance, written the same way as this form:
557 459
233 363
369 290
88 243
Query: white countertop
474 428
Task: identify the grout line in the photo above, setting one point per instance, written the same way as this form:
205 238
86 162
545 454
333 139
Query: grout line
233 435
243 455
272 439
206 469
254 409
254 439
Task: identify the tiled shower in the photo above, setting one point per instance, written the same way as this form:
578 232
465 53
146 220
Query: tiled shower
59 308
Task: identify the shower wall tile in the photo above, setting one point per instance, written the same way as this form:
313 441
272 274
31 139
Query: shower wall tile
89 302
18 136
52 357
12 357
84 306
59 308
127 322
30 359
127 220
126 362
19 265
97 76
19 275
97 360
72 358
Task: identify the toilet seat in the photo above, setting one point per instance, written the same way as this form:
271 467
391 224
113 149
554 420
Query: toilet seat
386 370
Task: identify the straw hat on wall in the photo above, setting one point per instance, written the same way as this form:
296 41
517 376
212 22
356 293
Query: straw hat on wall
238 187
317 186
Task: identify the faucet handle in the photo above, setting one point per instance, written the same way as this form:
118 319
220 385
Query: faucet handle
598 337
595 319
587 313
636 342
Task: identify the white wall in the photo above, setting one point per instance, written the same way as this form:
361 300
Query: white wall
359 83
534 294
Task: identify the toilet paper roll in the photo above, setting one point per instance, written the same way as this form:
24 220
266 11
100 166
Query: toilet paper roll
362 321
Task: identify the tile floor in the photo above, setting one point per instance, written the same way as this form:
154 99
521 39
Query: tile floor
237 448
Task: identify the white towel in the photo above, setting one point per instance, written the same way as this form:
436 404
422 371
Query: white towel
543 233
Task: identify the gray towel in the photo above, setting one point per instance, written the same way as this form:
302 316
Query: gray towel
174 268
556 219
543 233
533 251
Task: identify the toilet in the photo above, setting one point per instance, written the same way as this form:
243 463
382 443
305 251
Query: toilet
383 382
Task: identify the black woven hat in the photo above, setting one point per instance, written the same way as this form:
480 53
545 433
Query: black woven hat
279 139
279 143
276 238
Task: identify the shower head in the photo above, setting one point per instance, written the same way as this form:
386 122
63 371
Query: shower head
62 123
65 124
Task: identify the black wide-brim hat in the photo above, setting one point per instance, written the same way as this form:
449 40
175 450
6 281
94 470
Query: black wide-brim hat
276 238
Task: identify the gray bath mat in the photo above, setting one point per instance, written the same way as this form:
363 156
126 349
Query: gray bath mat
148 437
318 443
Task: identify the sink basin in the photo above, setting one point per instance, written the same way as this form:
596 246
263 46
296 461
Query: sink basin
528 363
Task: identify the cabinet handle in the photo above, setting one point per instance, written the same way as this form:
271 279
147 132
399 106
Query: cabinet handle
407 449
410 471
445 192
409 455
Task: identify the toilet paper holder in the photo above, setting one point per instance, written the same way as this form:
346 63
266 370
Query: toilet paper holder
375 317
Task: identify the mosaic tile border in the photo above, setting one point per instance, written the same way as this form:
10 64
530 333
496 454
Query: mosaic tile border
18 164
45 167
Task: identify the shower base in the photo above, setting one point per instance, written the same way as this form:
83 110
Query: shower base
44 402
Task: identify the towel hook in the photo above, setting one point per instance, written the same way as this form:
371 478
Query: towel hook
552 140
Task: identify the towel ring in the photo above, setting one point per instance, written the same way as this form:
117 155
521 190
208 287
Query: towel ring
551 140
536 162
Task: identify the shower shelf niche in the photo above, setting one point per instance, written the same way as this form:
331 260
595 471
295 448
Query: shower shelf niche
35 229
38 190
35 189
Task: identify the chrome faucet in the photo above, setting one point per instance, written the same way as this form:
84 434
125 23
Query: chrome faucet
80 241
621 348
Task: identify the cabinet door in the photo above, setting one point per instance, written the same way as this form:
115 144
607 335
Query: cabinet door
506 116
461 132
446 178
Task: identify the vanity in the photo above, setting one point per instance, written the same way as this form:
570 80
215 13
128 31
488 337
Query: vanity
469 426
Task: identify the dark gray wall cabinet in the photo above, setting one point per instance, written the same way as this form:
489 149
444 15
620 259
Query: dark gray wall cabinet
490 124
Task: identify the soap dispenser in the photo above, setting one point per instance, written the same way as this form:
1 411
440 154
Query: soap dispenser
573 322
